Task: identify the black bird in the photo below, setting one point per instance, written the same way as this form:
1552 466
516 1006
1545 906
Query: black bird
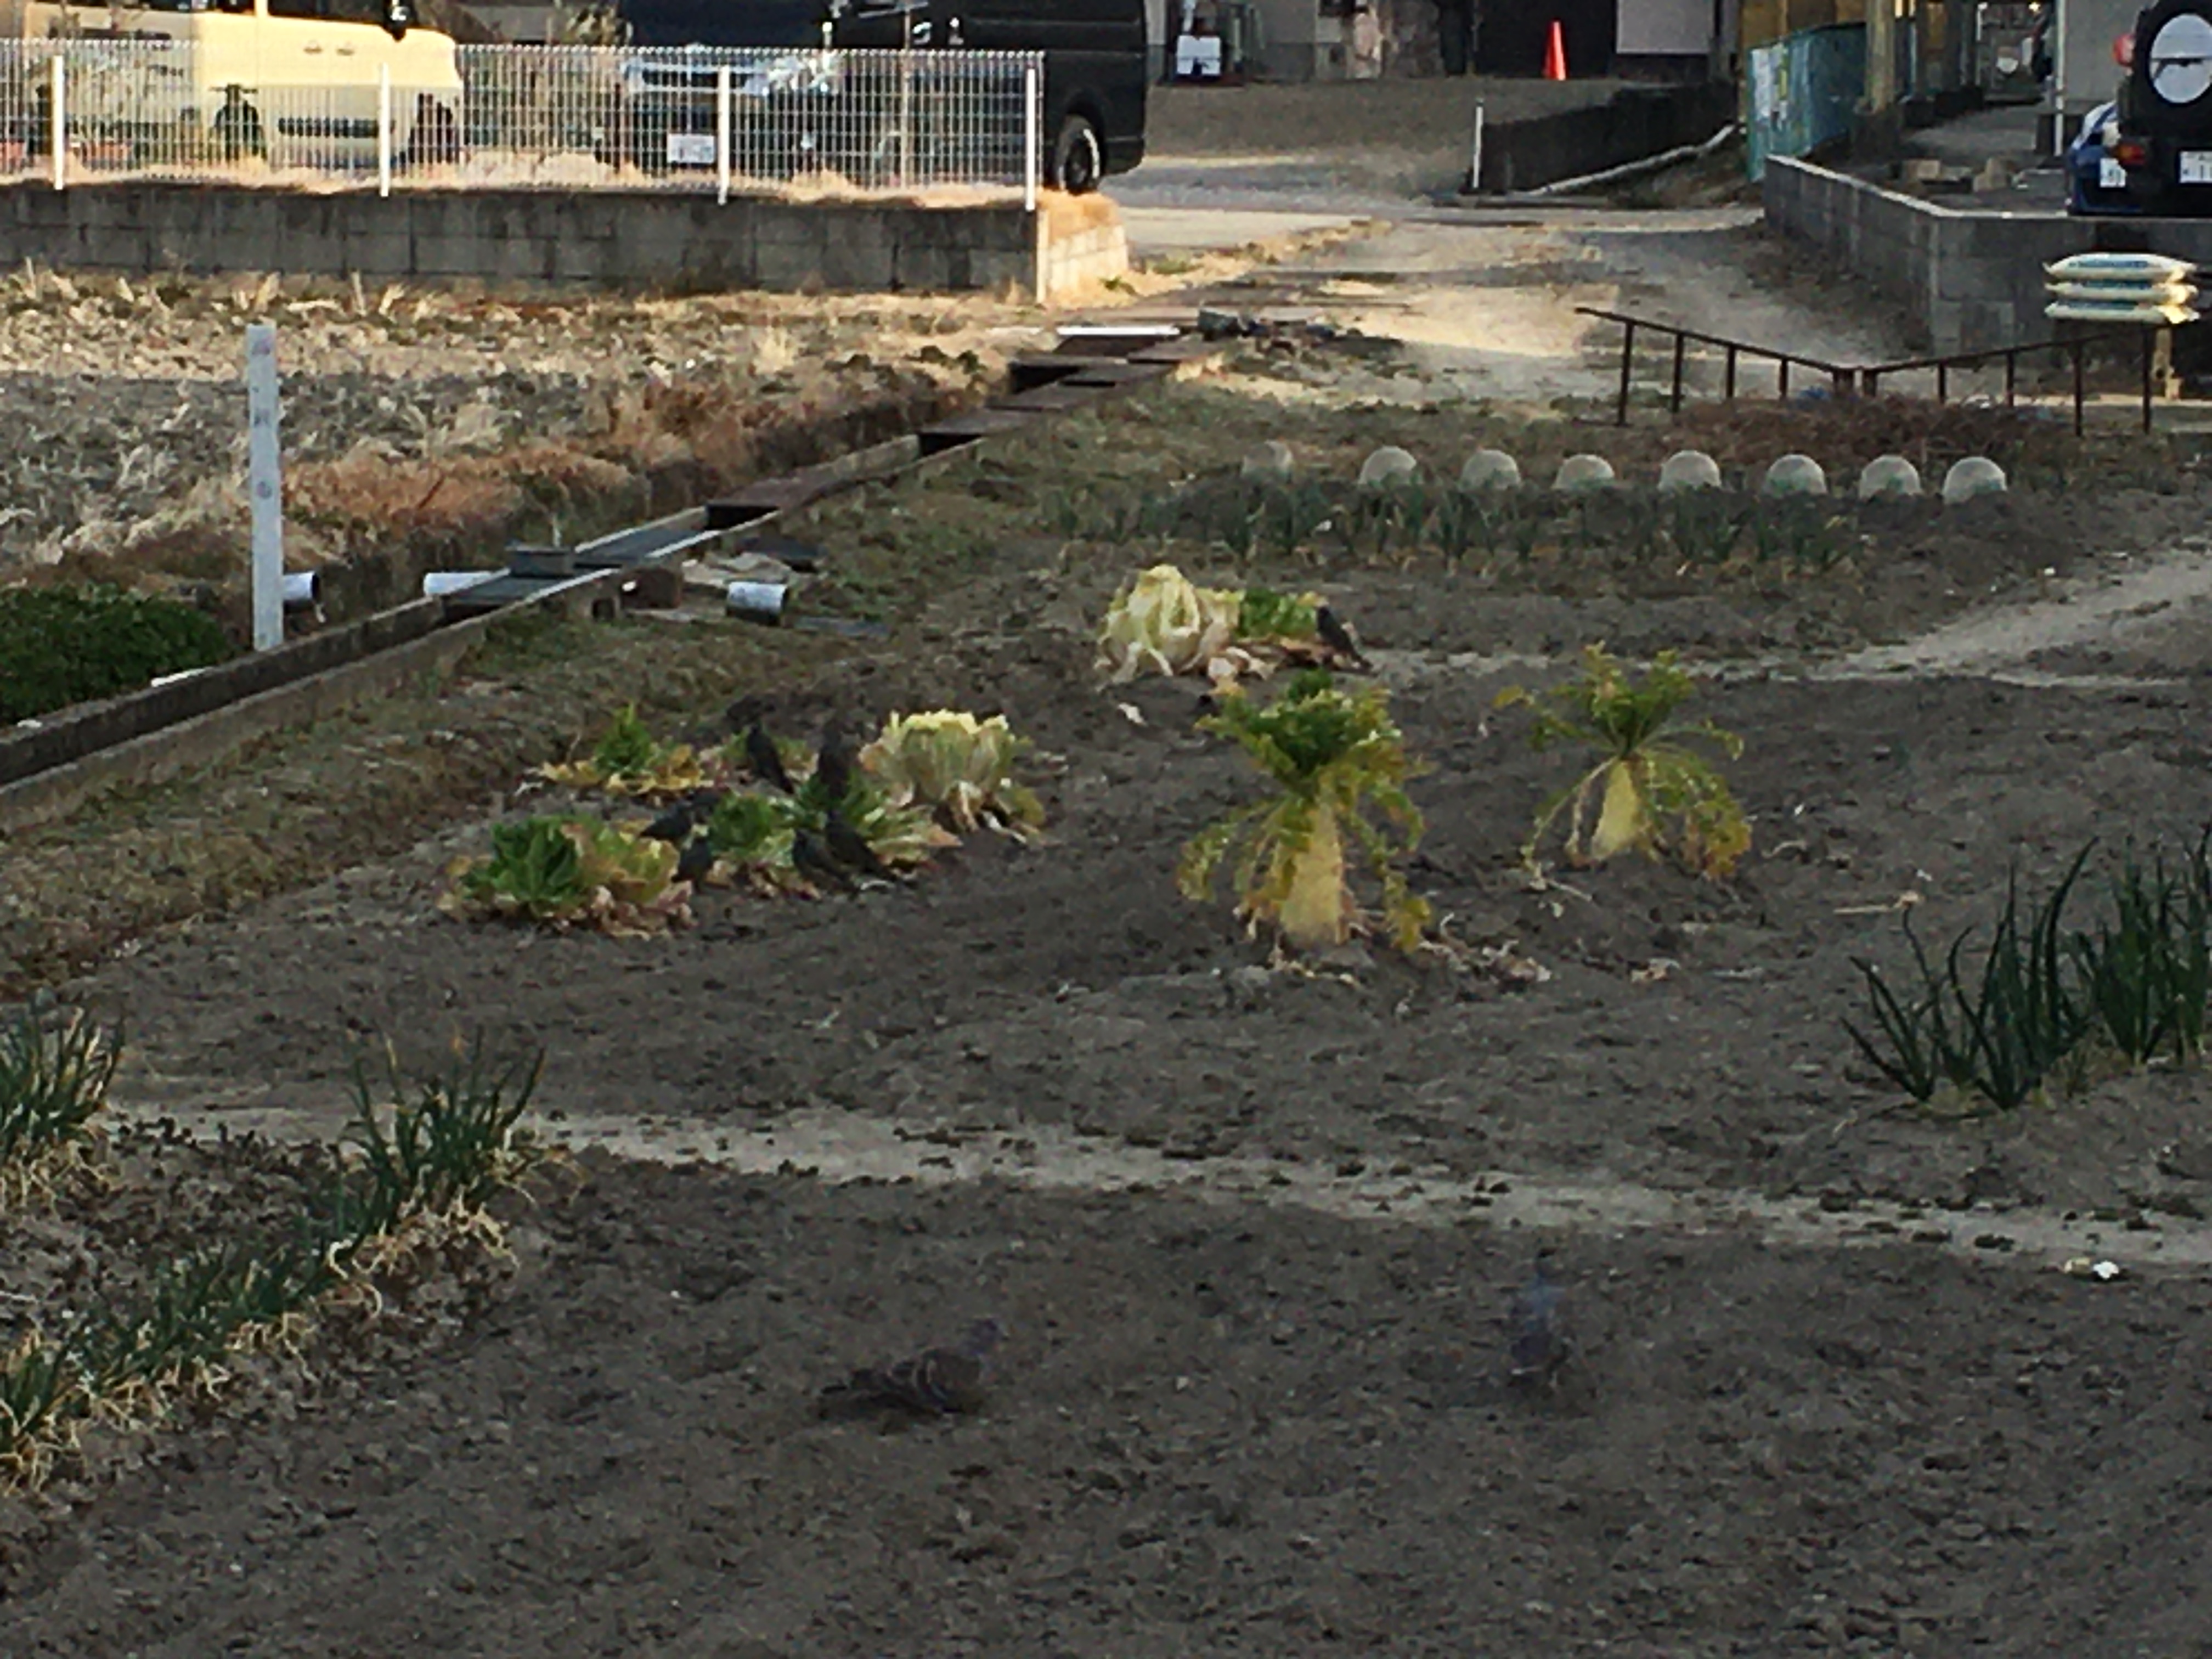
833 764
695 861
1337 637
762 756
812 860
745 711
675 825
850 847
935 1382
1538 1344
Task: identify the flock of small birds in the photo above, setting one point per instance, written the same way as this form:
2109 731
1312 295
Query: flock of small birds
837 858
951 1380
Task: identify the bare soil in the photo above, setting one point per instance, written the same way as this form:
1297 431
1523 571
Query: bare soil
1226 1423
1227 1431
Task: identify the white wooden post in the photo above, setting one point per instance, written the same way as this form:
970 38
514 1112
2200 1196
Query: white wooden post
722 135
1032 155
384 129
1474 159
60 121
265 486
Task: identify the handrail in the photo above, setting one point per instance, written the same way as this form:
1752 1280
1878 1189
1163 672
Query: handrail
1852 379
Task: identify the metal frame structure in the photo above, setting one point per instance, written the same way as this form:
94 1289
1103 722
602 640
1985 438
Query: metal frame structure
1854 379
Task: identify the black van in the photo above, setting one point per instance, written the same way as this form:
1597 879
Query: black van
1095 55
2164 144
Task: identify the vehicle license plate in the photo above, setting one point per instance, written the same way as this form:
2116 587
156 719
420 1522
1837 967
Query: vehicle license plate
696 149
2197 166
2110 175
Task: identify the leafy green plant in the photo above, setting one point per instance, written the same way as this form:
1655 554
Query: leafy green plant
61 645
1331 757
1264 614
41 1395
1798 532
629 761
753 835
1290 516
1645 775
1996 1031
1702 526
54 1079
448 1141
1163 623
566 873
431 1162
2145 973
192 1313
958 766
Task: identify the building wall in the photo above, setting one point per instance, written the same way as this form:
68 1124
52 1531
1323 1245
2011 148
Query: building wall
1665 28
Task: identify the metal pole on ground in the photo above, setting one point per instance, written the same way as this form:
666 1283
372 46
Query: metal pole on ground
60 121
1032 155
265 486
1475 152
1627 364
722 136
384 129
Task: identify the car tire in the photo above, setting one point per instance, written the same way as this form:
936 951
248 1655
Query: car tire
237 133
1079 158
436 140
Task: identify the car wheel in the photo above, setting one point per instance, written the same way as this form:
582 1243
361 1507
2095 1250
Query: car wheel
237 133
1078 161
437 141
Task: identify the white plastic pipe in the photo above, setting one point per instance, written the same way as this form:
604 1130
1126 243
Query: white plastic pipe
722 136
384 129
1634 169
302 590
755 601
437 584
1475 152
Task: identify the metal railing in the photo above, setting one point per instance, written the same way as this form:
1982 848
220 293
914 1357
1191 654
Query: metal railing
573 118
1852 379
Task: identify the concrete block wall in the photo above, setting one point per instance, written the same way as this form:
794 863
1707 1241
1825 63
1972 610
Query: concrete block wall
607 238
1968 280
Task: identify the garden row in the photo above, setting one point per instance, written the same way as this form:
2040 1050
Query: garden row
408 1177
1692 520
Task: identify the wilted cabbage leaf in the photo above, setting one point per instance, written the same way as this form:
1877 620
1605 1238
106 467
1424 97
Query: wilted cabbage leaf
962 767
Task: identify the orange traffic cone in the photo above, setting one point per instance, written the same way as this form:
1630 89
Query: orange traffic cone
1555 54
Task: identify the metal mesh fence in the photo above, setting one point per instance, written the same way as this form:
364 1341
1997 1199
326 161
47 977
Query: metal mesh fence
568 117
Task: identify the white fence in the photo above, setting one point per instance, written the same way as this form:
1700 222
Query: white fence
573 118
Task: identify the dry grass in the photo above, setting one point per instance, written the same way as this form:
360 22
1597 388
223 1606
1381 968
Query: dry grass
450 418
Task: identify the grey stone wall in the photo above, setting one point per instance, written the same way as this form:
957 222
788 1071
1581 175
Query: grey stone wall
1968 280
608 237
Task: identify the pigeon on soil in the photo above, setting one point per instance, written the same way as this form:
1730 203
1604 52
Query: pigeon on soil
1539 1344
935 1382
761 755
1337 637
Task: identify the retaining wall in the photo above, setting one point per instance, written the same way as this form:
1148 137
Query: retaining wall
1969 278
1634 123
616 239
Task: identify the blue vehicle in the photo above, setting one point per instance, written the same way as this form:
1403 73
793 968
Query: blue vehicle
2096 177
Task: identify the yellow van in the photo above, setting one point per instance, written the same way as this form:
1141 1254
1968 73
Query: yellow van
297 83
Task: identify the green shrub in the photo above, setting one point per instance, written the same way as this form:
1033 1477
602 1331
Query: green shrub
60 646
